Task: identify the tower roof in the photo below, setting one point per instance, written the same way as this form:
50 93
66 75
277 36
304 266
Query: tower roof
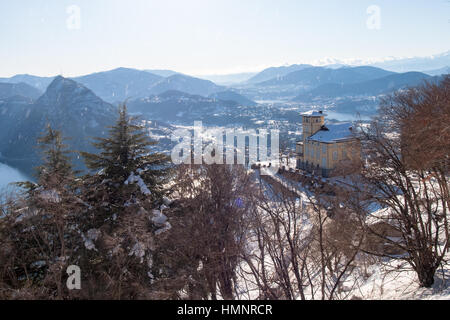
313 113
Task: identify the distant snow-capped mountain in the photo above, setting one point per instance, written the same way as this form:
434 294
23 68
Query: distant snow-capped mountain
391 63
396 64
421 64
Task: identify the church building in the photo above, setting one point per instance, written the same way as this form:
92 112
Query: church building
324 145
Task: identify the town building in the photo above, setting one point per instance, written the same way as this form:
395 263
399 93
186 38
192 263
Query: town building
324 146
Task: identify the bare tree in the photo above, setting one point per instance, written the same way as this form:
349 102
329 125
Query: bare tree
300 251
285 150
209 223
405 170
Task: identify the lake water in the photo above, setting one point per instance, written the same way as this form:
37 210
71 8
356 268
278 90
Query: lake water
345 116
8 175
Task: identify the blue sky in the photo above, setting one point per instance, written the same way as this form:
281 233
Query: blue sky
211 36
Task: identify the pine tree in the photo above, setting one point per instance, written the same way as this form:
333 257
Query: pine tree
126 154
123 191
56 168
48 213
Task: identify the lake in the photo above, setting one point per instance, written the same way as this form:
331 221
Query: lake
9 174
345 116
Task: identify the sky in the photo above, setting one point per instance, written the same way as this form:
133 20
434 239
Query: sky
199 37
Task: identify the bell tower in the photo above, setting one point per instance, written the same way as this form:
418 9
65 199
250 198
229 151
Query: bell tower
312 122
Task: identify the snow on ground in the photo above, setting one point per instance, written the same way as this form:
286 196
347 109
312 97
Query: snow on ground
384 279
394 280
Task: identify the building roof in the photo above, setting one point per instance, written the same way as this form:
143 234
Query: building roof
313 113
333 133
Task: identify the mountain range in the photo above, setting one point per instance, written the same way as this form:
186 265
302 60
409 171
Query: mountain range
229 79
178 107
372 87
162 73
294 82
315 76
40 83
276 72
422 64
121 84
274 83
66 105
438 72
234 97
186 84
81 107
8 90
81 114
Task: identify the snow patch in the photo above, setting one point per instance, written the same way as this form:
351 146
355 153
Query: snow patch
92 235
138 250
158 218
51 196
138 180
